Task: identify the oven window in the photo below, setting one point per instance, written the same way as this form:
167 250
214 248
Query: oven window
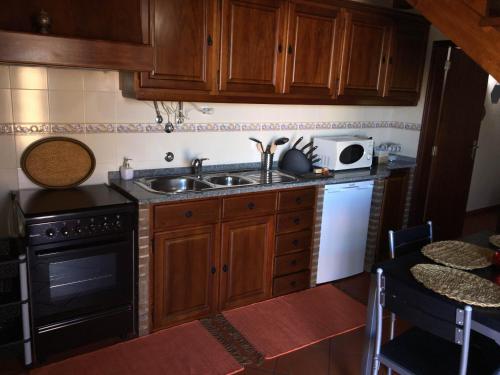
77 277
351 154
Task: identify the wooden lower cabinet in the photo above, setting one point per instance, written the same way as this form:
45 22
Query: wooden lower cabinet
185 274
247 256
216 254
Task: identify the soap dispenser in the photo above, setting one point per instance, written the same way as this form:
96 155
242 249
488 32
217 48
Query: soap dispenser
126 171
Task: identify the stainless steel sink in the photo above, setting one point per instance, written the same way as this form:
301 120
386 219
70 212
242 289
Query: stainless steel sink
228 180
171 185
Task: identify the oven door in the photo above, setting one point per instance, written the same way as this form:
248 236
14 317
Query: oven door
69 281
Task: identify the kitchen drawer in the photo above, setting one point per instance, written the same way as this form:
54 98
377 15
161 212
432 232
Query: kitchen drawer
290 283
293 242
295 221
177 214
290 263
249 205
296 199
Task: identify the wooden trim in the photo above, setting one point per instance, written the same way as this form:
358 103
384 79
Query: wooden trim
483 210
36 49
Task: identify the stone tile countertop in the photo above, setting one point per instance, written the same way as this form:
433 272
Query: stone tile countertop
141 195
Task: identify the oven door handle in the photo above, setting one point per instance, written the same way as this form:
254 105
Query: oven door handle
47 253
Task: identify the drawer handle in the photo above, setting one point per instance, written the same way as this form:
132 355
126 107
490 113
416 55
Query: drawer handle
293 283
293 262
224 268
188 214
213 270
251 206
295 242
298 200
296 221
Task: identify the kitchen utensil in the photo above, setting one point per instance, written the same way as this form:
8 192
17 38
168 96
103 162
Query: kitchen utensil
159 118
58 162
307 146
296 143
281 141
273 148
258 142
310 152
296 162
260 148
315 161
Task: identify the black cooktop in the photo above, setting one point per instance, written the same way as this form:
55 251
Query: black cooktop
36 202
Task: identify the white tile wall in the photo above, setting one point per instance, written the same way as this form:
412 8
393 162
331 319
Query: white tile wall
4 77
28 77
100 106
65 79
66 106
30 106
97 80
5 106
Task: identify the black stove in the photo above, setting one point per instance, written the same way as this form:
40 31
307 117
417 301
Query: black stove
81 265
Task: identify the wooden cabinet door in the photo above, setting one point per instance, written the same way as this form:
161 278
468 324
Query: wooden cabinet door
252 46
185 274
184 42
246 261
366 42
313 50
393 209
406 60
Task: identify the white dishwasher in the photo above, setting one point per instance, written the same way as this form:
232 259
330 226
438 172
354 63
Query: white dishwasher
344 229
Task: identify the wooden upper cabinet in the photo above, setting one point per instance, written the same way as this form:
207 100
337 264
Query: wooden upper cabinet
246 261
366 46
251 57
406 60
313 50
185 274
184 45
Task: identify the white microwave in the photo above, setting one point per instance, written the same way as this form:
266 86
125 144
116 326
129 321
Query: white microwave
344 152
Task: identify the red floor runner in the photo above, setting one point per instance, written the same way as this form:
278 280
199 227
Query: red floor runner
186 349
288 323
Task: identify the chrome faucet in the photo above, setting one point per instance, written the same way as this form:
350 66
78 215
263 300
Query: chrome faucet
197 165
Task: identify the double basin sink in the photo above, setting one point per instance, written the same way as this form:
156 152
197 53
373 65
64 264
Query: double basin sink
183 184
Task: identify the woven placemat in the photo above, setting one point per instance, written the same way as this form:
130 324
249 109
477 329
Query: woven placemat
495 240
458 254
458 285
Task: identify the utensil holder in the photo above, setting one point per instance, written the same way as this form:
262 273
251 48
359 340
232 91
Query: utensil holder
266 161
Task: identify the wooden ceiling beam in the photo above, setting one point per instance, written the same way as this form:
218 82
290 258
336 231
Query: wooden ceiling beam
463 26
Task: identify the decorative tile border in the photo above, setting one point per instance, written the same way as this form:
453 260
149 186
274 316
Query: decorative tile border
26 129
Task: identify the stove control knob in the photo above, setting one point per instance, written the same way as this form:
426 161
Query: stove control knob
118 224
50 233
92 227
78 229
65 231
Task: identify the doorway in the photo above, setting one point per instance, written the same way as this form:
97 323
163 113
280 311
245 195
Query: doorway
454 107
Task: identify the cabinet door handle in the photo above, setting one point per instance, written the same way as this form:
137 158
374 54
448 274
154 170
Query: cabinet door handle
224 268
290 49
210 40
213 269
293 262
295 242
188 214
298 200
251 206
296 221
280 48
293 283
383 59
390 60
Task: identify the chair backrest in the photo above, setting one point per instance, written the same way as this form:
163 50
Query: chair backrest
408 240
445 321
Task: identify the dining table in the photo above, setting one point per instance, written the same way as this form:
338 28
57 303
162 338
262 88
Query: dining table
485 321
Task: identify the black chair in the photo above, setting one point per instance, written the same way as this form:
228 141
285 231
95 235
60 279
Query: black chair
411 239
441 342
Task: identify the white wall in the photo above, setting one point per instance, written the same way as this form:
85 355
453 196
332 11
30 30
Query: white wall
485 184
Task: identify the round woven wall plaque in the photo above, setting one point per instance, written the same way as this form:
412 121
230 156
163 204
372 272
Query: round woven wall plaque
458 254
495 240
58 162
458 285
